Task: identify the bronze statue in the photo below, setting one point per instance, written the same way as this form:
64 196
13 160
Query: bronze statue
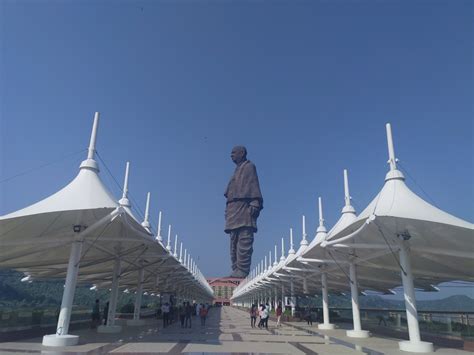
244 203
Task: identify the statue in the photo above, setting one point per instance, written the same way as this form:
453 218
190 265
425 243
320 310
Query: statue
244 203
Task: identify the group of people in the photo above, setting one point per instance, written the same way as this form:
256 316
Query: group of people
263 312
96 318
185 313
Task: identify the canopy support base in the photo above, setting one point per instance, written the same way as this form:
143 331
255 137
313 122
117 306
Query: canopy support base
358 333
416 346
60 340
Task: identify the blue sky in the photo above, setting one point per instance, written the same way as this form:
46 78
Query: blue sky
307 86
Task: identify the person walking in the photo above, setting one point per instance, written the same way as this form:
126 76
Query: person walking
182 313
265 316
262 313
95 314
253 315
279 312
308 317
188 314
198 309
203 315
165 312
106 313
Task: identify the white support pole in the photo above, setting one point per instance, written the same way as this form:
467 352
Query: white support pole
110 327
414 344
136 321
181 252
357 332
292 298
324 286
62 338
283 296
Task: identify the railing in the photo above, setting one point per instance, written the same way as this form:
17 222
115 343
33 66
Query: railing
446 323
26 318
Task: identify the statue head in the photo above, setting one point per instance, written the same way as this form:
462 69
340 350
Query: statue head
238 154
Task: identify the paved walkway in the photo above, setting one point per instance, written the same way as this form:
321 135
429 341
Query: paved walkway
227 331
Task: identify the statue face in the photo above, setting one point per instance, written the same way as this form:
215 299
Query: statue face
237 155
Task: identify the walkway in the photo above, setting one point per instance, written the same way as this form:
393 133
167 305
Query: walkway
227 331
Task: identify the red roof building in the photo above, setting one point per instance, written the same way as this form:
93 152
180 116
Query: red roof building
223 288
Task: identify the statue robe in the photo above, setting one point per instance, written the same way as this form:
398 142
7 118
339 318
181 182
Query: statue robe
243 191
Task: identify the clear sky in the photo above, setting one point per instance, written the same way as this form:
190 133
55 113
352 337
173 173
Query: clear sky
307 86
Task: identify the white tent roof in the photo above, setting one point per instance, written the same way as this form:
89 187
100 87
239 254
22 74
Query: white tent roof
37 239
442 246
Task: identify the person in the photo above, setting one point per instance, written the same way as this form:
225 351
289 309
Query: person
95 314
253 315
198 309
279 312
182 314
382 320
106 312
264 317
203 315
308 316
261 313
268 308
244 202
165 311
188 314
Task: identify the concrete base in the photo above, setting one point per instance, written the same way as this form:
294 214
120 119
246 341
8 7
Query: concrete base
135 322
416 347
358 333
109 329
60 340
326 326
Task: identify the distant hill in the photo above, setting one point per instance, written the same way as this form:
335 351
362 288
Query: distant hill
14 293
457 303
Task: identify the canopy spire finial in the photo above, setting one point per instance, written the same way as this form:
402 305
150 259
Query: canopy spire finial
95 126
168 244
158 232
124 200
394 173
292 249
304 241
391 151
90 162
175 246
282 258
275 262
347 197
321 227
146 223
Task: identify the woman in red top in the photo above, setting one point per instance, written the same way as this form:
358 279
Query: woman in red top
279 312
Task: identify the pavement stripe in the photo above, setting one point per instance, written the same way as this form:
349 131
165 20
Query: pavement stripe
303 348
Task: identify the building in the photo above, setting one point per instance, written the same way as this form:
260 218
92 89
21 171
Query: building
223 288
